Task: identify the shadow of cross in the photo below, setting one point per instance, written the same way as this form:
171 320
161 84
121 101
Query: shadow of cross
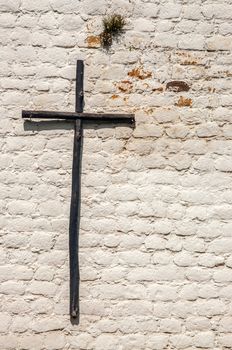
78 118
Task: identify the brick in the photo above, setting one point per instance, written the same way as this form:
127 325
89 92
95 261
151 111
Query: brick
198 274
189 292
42 306
220 246
223 164
33 5
183 309
192 12
12 288
91 8
170 325
47 324
211 308
51 208
147 131
204 340
222 11
210 260
226 340
170 10
106 341
134 258
54 341
163 293
158 341
8 341
144 25
149 10
225 324
41 241
155 243
219 42
128 325
177 131
207 130
197 323
208 291
169 41
18 307
10 5
189 43
21 207
42 288
20 324
5 321
184 259
62 6
133 308
25 341
181 341
44 273
53 258
223 275
81 340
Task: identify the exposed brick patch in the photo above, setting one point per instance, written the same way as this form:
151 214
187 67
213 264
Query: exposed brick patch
93 41
139 73
184 102
177 86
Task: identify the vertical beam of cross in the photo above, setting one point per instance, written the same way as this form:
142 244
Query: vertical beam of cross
74 223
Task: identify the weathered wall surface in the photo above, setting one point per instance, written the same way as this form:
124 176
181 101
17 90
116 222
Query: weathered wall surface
156 227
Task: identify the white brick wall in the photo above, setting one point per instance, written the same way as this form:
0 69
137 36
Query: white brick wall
155 240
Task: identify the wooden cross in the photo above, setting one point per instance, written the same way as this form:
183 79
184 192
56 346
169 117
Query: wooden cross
79 118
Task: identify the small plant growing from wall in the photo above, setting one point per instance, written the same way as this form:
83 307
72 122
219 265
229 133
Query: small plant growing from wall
112 27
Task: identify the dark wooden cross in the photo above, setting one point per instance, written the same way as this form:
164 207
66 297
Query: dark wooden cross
78 118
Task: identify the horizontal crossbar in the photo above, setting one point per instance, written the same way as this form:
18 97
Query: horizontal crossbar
104 117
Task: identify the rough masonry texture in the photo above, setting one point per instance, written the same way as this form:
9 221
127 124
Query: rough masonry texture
156 225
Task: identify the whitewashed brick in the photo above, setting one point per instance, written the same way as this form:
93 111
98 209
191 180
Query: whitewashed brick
41 241
189 292
211 308
196 323
207 130
143 25
63 6
5 321
170 325
105 341
42 288
192 12
220 246
181 341
196 43
9 5
155 243
223 164
170 10
158 342
226 340
204 340
222 11
219 42
12 288
164 293
20 324
34 5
